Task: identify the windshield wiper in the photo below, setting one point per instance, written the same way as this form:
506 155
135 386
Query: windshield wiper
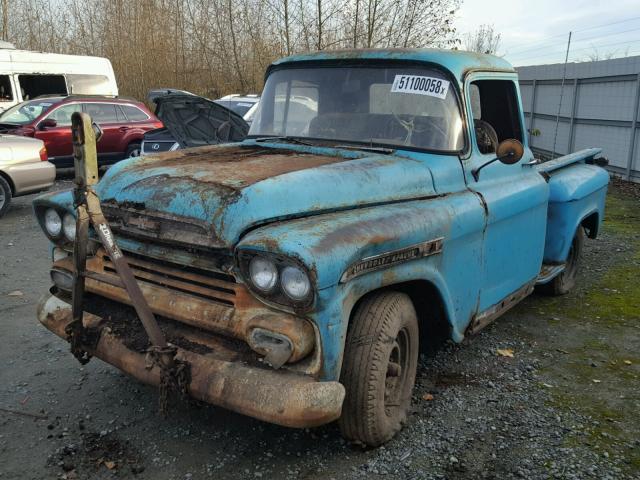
284 138
6 127
386 151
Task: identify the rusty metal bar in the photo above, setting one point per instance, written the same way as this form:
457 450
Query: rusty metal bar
84 157
79 261
141 306
89 210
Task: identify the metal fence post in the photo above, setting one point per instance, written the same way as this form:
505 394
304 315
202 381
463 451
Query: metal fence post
634 126
572 120
531 110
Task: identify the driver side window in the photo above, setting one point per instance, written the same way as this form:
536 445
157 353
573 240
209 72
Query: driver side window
496 114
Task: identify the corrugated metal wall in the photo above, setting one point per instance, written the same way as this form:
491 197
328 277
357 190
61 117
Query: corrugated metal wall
600 108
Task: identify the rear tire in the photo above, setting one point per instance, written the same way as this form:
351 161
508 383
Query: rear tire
565 281
133 150
379 369
5 196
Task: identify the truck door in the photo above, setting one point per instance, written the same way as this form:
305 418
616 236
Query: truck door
515 196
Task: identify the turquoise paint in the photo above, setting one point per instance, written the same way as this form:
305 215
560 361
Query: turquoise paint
566 160
459 63
575 194
329 243
359 180
496 231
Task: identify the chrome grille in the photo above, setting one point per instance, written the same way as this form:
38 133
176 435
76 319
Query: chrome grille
216 286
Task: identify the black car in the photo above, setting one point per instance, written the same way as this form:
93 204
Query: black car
191 121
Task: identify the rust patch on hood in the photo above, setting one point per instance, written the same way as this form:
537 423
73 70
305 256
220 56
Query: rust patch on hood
234 166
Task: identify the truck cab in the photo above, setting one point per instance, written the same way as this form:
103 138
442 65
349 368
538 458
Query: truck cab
381 197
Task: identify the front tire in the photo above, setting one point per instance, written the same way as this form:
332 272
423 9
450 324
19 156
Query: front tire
5 196
379 369
566 280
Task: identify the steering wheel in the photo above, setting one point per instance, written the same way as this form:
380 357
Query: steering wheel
29 112
410 127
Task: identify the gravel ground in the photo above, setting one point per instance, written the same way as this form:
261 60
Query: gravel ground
564 406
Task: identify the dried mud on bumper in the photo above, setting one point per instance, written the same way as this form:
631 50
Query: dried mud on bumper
284 398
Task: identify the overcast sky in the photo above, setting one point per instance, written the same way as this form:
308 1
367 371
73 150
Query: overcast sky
536 32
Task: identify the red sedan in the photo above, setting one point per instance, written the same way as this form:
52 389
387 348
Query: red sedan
122 121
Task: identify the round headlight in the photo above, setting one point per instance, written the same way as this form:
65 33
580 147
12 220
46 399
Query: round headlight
264 273
62 279
295 283
52 222
69 227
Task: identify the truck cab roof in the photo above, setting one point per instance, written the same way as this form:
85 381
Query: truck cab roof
458 62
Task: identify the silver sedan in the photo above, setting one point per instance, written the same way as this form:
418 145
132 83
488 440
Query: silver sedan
23 168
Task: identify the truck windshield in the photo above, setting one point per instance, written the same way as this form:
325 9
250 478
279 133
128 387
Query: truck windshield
25 112
388 106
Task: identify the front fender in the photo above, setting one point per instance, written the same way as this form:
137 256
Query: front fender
329 244
62 199
338 302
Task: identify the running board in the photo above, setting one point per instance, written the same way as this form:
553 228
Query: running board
549 272
482 319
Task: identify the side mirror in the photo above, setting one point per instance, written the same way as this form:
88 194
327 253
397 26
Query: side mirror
97 131
509 151
47 123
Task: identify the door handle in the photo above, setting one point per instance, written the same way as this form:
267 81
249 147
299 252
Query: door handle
123 129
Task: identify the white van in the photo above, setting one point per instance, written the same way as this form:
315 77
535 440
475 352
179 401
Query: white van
25 75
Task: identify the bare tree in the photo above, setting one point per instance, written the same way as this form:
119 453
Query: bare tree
483 40
214 47
5 19
595 55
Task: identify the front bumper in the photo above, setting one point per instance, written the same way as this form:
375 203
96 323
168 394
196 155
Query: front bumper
281 397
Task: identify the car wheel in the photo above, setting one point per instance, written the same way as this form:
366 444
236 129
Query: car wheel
379 369
566 280
133 150
5 196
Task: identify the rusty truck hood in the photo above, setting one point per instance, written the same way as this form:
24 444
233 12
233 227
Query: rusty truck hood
209 196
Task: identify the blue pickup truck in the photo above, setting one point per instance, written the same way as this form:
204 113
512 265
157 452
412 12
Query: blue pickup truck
382 197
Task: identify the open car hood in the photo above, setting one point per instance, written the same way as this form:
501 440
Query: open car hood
195 121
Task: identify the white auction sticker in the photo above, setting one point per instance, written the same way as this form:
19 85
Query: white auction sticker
434 87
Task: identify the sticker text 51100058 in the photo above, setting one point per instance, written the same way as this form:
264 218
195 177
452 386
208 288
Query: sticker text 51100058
434 87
